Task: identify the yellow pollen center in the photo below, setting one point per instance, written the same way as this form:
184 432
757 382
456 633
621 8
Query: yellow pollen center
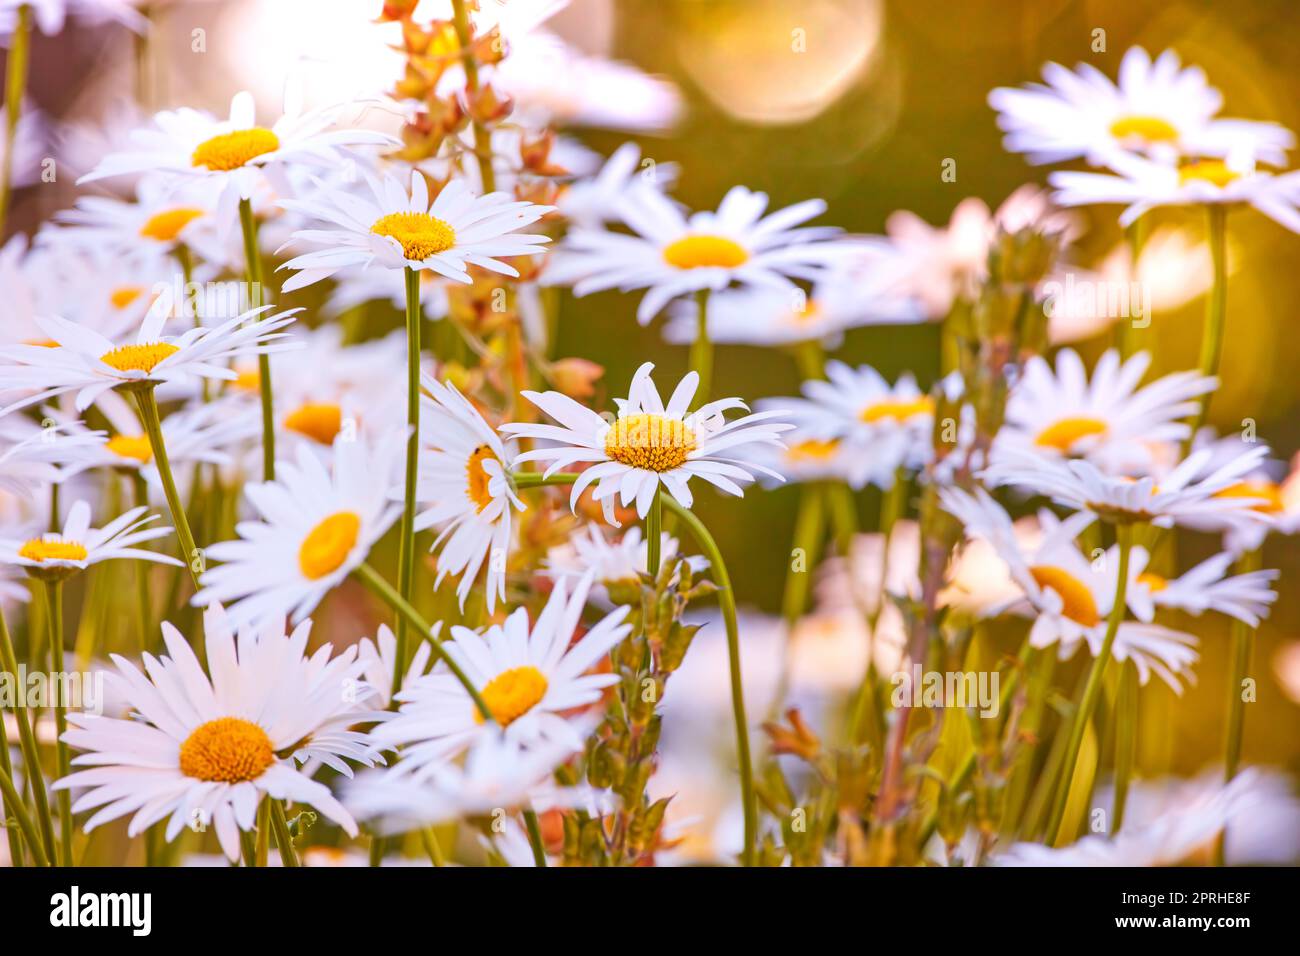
419 234
319 421
131 446
1148 129
814 449
1154 582
898 409
123 296
513 693
650 442
52 549
478 477
1271 494
165 226
328 544
233 150
1062 435
1077 601
698 252
138 358
1214 171
226 750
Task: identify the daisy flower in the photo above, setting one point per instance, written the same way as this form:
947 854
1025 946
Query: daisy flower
1141 184
316 527
400 230
616 564
78 545
649 444
161 215
671 255
464 490
208 749
1108 419
33 455
237 152
1159 108
528 676
379 660
89 364
1206 587
594 200
1274 488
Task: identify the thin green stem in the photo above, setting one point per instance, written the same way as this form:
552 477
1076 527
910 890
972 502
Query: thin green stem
482 138
535 837
14 808
283 839
406 534
375 581
253 264
702 348
31 753
144 603
805 551
1126 719
1216 308
654 522
54 597
429 840
1092 689
148 407
15 87
7 770
1135 234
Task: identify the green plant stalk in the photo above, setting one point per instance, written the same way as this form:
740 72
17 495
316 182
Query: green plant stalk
1136 235
283 840
654 523
382 589
144 602
30 750
13 803
809 529
54 597
702 348
1041 667
482 139
429 840
406 534
1216 308
15 87
148 406
7 771
253 261
1126 719
535 837
1091 689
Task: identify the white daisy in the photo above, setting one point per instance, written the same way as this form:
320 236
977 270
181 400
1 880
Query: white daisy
594 200
207 749
1274 488
1108 419
1206 587
528 676
379 660
78 545
316 527
765 316
671 255
161 215
649 444
1158 108
615 564
33 455
396 230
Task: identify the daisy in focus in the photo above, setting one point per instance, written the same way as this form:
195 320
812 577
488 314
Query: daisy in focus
208 749
59 554
317 525
649 445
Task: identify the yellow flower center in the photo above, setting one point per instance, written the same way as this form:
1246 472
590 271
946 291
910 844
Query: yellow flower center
1214 171
233 150
1077 601
165 226
328 544
248 379
697 252
513 693
898 409
650 442
1273 502
478 477
123 296
320 421
1154 582
131 446
1062 435
226 750
1148 129
814 449
52 549
138 358
419 234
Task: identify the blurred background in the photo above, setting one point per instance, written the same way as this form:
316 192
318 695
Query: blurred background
855 101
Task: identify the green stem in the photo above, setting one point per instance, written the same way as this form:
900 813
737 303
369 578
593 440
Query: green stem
15 87
1216 307
54 596
283 840
482 139
1092 689
375 581
810 358
1136 236
7 771
805 547
1126 718
148 406
30 750
253 261
14 808
654 522
535 837
144 603
429 840
406 535
702 348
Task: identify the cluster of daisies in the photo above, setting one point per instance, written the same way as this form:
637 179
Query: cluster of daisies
146 356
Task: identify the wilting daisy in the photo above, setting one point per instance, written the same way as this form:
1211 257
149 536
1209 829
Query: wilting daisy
87 363
316 527
671 254
649 444
1108 419
1141 184
464 490
528 675
1206 587
1159 108
396 229
206 750
78 545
